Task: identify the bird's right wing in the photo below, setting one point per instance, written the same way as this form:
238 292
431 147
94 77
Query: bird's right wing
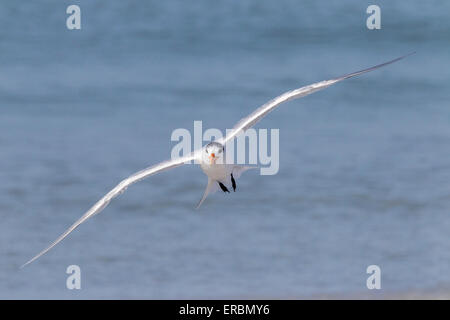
119 189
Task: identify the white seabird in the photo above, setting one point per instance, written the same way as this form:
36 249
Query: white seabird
211 157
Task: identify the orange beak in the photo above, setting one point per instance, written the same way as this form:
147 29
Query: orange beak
212 158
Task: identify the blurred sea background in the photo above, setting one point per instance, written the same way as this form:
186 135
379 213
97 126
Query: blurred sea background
364 173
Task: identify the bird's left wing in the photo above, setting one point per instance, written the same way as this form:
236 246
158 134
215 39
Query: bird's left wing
119 189
258 114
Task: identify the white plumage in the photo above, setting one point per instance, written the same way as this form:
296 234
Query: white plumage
211 157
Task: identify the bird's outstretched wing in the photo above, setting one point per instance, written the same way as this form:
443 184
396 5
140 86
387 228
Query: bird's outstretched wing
258 114
119 189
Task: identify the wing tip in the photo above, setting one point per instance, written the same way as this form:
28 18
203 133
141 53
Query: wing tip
357 73
26 263
40 254
410 54
404 56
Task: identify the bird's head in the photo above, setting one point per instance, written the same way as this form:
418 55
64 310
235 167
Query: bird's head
213 153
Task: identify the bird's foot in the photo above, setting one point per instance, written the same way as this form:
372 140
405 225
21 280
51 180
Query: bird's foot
233 183
223 187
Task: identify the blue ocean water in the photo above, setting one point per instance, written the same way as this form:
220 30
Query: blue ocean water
364 173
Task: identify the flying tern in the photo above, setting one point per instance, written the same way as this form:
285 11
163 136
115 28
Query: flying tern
212 156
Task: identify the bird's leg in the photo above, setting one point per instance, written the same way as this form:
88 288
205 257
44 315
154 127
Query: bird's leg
222 186
233 183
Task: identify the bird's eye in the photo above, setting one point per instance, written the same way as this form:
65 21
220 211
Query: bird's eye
220 151
206 150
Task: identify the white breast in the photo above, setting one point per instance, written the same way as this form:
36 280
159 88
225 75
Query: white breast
218 172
